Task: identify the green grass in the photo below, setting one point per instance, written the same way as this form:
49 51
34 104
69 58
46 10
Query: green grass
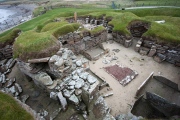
97 30
53 25
168 31
11 110
9 38
66 29
174 12
32 42
38 11
157 2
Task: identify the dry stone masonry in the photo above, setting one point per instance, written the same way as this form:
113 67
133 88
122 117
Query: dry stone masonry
159 52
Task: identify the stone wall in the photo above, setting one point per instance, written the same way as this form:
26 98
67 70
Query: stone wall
78 42
160 52
126 41
6 52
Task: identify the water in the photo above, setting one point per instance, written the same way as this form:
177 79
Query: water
4 14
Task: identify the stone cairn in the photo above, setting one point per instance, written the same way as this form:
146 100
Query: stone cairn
159 52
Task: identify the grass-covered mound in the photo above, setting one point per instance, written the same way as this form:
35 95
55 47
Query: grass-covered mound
166 32
9 38
66 29
11 110
31 44
53 25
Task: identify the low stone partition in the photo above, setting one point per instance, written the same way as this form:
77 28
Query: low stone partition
125 41
6 52
78 42
160 52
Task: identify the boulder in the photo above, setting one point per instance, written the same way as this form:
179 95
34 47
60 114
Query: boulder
53 95
78 71
66 93
86 86
12 89
24 98
10 82
72 83
152 52
79 83
70 87
100 108
19 88
62 100
2 78
74 99
84 75
59 62
43 78
75 77
79 63
78 91
91 79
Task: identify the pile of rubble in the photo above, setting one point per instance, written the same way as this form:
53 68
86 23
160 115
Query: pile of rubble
159 52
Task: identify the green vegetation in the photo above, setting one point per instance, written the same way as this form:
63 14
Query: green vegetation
174 12
157 2
53 25
11 110
66 29
32 42
168 31
39 33
9 38
97 30
38 11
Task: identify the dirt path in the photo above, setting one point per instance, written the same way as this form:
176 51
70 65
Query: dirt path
123 97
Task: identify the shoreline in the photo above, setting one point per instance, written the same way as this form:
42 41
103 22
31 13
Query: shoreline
13 15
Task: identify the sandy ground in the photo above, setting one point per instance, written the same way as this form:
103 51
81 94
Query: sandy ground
123 98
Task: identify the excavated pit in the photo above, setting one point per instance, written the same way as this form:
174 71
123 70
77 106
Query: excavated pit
138 28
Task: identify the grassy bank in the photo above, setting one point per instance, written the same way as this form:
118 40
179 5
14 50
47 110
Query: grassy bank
11 110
